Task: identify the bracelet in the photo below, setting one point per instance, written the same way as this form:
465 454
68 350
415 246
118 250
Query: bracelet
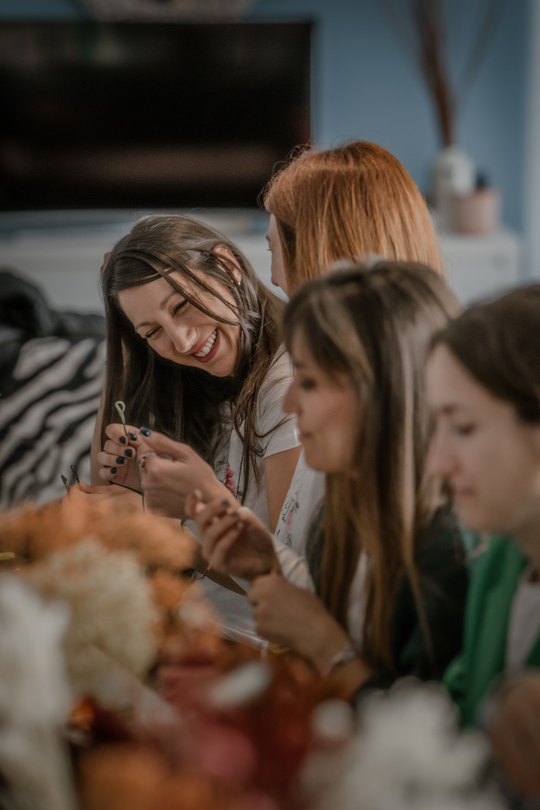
347 654
207 570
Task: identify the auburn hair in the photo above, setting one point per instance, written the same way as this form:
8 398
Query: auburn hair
346 203
186 403
373 327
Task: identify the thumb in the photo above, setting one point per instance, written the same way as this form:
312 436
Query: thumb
162 445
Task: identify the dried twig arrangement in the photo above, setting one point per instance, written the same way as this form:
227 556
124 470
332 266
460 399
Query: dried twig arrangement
422 30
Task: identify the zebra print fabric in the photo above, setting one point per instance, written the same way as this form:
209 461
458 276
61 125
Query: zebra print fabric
47 420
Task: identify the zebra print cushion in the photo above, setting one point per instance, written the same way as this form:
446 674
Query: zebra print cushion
47 419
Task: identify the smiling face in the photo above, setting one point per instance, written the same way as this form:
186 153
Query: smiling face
490 456
180 332
279 277
326 411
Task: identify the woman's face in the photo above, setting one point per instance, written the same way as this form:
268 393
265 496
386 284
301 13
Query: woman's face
180 332
490 457
279 279
326 410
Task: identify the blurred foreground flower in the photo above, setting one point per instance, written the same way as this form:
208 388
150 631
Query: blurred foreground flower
34 701
409 755
112 614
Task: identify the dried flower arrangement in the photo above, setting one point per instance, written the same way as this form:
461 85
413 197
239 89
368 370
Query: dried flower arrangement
174 716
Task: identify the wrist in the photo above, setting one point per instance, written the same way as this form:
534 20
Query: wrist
331 641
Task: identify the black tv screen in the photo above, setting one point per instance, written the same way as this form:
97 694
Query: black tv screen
131 115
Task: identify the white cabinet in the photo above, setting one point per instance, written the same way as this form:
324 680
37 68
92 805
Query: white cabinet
480 266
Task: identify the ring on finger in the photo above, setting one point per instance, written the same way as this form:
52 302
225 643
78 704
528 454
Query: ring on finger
141 460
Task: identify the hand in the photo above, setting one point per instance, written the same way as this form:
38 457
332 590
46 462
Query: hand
170 471
515 734
235 540
294 617
123 498
118 453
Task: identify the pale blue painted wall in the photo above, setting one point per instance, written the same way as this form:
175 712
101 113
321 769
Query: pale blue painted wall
364 86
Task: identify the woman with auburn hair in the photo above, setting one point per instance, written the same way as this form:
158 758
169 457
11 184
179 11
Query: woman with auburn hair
384 550
484 384
345 203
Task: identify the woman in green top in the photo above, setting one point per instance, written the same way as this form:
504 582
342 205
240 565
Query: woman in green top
385 558
484 381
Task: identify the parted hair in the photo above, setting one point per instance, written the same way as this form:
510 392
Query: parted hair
497 342
184 402
372 327
346 203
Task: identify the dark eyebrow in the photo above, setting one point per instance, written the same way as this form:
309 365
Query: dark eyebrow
161 306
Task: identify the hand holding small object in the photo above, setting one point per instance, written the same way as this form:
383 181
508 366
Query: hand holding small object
170 471
235 540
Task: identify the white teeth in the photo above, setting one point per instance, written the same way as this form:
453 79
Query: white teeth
208 345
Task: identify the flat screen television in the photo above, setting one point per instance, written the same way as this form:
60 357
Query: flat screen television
144 115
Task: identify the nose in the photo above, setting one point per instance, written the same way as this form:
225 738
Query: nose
440 460
290 401
183 338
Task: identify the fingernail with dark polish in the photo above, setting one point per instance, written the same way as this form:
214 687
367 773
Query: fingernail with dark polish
113 470
145 431
120 460
132 437
122 440
224 503
129 453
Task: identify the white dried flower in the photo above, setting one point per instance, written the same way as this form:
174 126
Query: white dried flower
409 755
111 615
34 701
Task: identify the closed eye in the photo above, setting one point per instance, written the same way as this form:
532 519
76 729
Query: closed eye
151 334
179 306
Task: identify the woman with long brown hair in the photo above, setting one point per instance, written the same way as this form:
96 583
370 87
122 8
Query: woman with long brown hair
385 550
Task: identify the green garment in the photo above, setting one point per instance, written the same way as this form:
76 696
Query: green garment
443 580
481 663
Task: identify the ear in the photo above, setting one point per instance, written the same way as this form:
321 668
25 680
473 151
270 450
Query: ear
230 260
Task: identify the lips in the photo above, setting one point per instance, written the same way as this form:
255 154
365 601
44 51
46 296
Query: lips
210 345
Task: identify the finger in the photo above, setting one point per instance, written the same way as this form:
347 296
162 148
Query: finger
109 473
106 460
216 508
218 528
162 445
114 449
219 555
194 504
116 432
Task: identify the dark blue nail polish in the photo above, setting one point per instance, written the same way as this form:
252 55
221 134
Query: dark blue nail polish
120 460
113 470
132 436
129 453
145 431
122 439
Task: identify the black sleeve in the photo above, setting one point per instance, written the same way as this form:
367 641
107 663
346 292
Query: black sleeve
443 581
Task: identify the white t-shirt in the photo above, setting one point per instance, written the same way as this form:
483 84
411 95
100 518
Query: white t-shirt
278 433
524 622
305 493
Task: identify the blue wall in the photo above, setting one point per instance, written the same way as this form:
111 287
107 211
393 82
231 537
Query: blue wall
364 86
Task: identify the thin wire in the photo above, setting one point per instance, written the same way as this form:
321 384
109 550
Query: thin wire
121 408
